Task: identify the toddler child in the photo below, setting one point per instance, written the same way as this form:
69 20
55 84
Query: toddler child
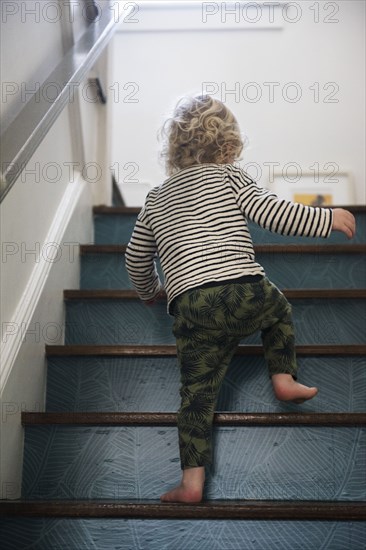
196 222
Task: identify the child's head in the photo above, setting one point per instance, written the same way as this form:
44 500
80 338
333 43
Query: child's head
201 130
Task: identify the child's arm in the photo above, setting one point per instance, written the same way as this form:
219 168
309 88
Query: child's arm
285 217
140 260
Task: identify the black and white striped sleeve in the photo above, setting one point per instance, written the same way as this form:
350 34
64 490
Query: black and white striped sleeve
279 215
140 258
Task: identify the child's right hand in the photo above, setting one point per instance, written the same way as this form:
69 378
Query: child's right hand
344 221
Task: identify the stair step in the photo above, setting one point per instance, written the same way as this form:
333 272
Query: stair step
293 294
171 350
325 266
279 462
97 456
131 383
169 419
215 509
113 225
259 249
113 322
116 210
131 379
42 533
125 210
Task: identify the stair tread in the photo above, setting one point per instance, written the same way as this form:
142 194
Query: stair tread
169 419
113 210
259 249
293 293
102 209
170 350
214 509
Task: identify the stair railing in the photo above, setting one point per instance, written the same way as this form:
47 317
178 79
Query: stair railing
21 137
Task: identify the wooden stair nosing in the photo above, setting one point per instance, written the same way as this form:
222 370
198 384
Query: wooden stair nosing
116 210
214 509
169 419
113 210
171 350
259 249
292 293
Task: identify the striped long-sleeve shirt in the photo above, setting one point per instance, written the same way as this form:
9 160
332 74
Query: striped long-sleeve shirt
195 221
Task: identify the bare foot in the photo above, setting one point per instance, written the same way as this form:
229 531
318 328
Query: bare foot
182 494
190 489
287 389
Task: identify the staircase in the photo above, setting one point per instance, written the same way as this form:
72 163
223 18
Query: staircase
284 476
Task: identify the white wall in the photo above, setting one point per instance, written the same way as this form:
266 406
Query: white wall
42 224
96 130
44 217
326 60
26 335
31 47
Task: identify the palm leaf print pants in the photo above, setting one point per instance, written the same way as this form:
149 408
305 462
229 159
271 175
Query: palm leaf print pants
209 323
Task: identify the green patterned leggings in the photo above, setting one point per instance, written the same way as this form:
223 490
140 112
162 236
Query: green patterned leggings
209 323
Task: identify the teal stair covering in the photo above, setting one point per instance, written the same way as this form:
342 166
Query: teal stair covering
129 321
311 463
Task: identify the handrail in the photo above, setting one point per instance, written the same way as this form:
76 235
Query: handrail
20 139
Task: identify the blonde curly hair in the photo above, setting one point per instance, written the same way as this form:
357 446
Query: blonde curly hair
201 130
